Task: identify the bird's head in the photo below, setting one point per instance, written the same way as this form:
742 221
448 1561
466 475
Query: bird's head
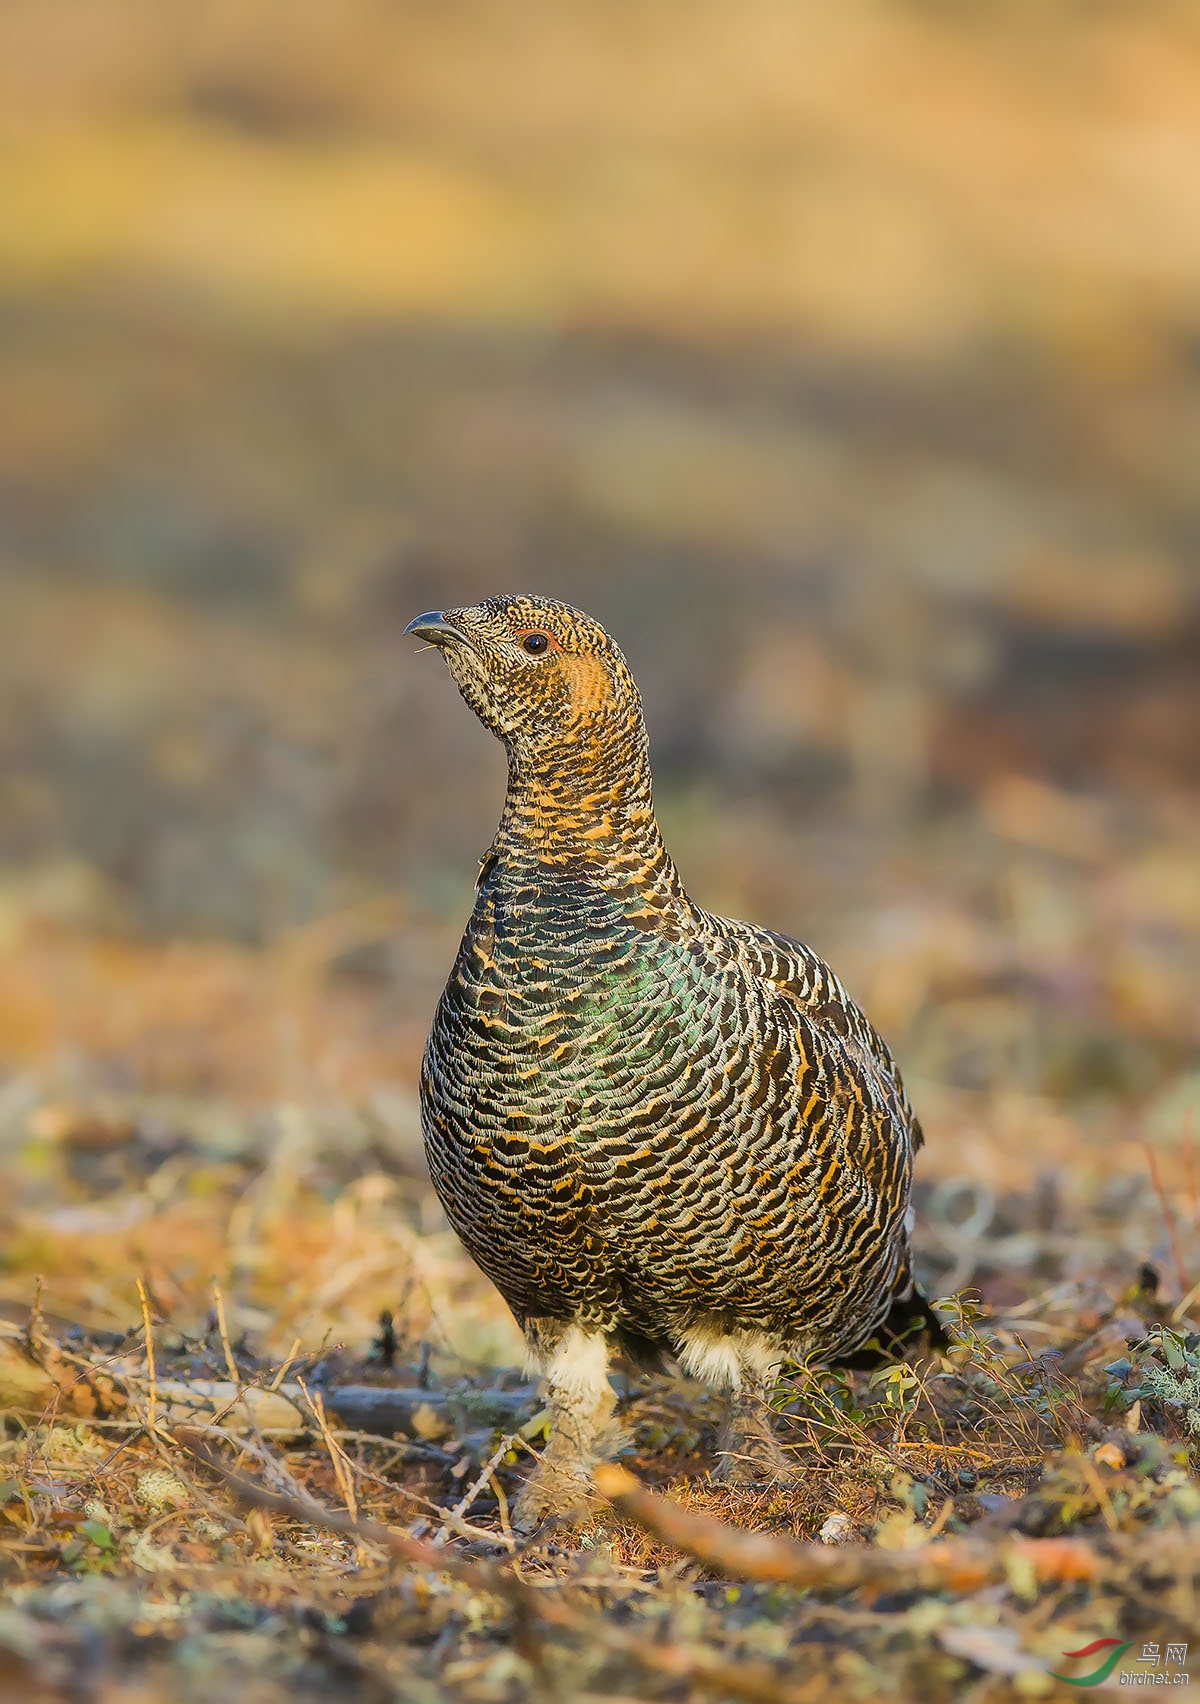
545 678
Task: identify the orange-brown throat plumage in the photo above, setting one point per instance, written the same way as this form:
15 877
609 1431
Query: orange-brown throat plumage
554 688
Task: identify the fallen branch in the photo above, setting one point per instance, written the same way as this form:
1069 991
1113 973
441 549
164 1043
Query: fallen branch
950 1565
429 1414
100 1390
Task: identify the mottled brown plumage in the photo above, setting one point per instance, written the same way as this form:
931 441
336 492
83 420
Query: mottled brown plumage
650 1126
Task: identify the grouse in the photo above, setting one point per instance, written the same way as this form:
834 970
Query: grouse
654 1129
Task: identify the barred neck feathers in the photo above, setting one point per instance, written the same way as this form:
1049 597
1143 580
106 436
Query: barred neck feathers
587 808
553 687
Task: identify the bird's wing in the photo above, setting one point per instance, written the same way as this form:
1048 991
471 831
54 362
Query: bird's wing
796 971
837 1026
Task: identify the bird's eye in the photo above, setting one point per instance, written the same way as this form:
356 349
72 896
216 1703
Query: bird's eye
536 643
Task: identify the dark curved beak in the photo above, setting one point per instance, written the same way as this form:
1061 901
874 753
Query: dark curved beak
433 628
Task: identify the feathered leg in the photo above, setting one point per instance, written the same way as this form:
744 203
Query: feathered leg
745 1365
750 1452
582 1433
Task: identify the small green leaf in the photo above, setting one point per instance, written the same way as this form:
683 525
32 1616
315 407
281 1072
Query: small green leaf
1176 1359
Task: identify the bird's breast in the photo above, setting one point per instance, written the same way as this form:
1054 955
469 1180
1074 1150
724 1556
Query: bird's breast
551 973
564 1014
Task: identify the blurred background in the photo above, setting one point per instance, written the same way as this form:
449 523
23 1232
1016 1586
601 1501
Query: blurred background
845 361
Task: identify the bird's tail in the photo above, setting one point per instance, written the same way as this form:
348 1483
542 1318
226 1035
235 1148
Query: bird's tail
910 1328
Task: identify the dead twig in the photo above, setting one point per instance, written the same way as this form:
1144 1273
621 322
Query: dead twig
1185 1282
488 1472
343 1467
306 1511
231 1366
151 1373
284 1366
947 1565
